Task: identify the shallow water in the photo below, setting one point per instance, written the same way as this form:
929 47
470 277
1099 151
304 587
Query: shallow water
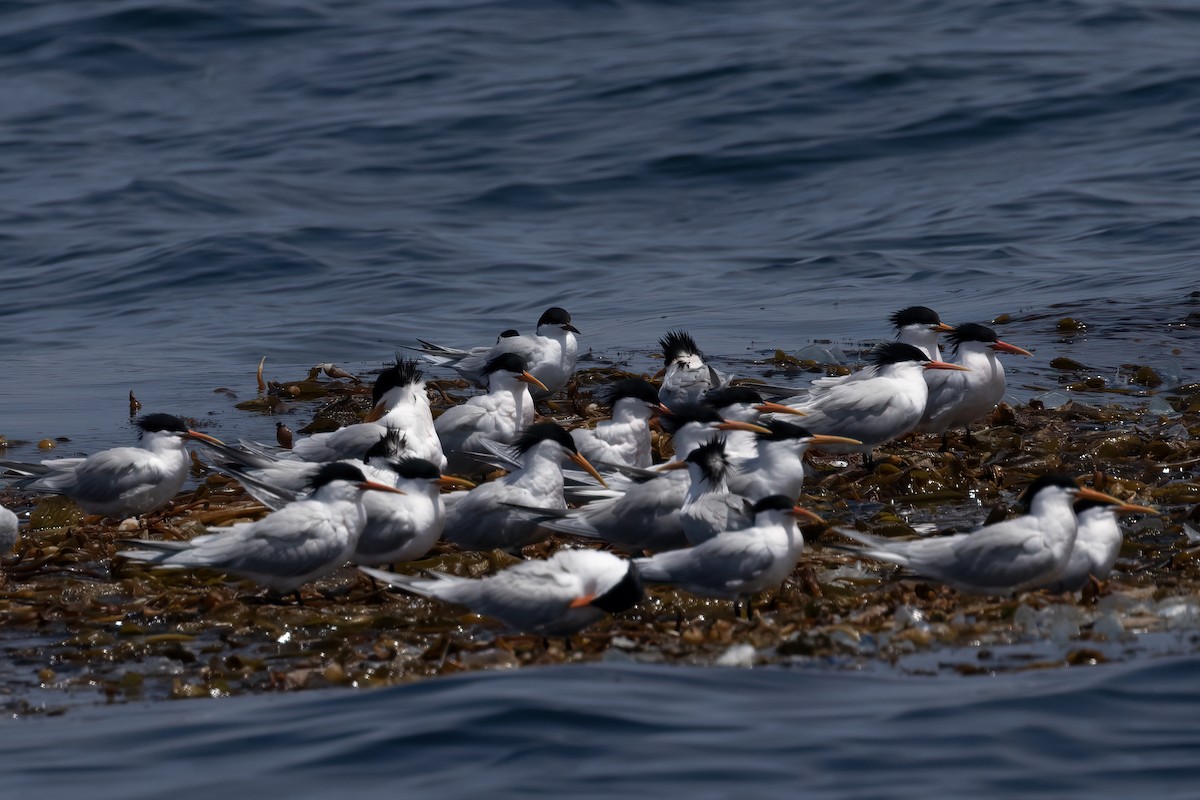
190 186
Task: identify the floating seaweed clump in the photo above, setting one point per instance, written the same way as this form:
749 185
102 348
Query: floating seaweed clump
80 625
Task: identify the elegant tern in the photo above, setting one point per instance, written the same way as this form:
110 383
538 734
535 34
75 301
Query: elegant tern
287 548
960 398
500 415
556 596
875 405
686 377
1097 543
550 353
1003 558
920 326
625 438
123 481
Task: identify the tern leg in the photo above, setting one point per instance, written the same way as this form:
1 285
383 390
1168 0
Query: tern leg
869 461
970 439
945 442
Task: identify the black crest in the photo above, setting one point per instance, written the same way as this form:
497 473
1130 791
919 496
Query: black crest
635 388
781 430
542 432
677 344
405 373
711 458
335 471
689 412
154 423
1081 506
776 502
413 468
506 362
391 443
971 332
915 315
731 396
1059 479
508 334
554 316
886 353
626 594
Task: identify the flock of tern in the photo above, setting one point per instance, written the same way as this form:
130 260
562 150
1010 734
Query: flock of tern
720 518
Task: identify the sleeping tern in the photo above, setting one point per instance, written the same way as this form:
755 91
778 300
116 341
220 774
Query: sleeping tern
625 438
556 596
686 377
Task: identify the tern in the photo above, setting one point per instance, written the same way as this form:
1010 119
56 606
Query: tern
920 326
999 559
556 596
875 405
743 404
708 506
399 402
960 398
1097 544
550 354
123 481
485 518
8 530
403 527
777 466
737 563
646 514
287 548
625 438
500 415
685 375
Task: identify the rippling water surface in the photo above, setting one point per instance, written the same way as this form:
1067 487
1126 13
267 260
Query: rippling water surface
188 186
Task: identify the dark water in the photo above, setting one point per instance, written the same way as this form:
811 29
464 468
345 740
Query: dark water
641 731
188 186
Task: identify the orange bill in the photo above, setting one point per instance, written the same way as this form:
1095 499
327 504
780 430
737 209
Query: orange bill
527 377
450 481
1130 508
582 600
805 514
378 487
818 439
942 327
946 365
735 425
1099 497
1005 347
204 437
588 468
777 408
376 413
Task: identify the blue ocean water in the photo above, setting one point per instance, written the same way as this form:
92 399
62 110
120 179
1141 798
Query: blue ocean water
643 731
188 186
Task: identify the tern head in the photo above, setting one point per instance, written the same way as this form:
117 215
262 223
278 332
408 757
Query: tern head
1087 504
331 473
781 504
781 431
886 354
1058 483
730 397
973 332
411 468
514 365
629 389
921 317
404 373
391 443
711 460
610 583
558 317
679 346
508 334
169 425
674 419
535 435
